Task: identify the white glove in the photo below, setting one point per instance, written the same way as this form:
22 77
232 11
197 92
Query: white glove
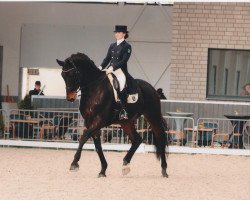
109 70
100 67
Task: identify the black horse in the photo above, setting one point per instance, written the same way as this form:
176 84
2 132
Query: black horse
99 109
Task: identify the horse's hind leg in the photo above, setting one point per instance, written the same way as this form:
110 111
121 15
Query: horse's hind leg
98 147
160 140
136 140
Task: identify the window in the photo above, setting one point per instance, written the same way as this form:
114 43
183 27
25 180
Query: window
228 74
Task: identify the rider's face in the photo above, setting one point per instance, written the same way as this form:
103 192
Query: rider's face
119 35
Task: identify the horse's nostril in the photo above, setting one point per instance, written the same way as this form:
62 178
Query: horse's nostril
71 99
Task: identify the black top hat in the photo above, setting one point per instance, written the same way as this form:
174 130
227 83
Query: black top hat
121 28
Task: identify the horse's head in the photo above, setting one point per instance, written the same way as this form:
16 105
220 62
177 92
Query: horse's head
78 71
71 76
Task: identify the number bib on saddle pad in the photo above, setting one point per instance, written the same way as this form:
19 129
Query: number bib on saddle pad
118 81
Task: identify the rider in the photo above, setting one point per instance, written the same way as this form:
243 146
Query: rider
117 58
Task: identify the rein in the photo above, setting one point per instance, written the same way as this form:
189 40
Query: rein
67 70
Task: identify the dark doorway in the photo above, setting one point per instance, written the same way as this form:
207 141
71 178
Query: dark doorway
1 70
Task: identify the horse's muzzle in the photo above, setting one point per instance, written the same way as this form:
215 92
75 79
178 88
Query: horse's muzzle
71 96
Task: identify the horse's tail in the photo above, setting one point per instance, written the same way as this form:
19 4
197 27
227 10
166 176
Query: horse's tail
166 128
152 112
162 142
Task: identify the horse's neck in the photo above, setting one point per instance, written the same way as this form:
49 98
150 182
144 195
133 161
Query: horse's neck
90 76
95 95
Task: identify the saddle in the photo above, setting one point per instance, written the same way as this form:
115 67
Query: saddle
118 81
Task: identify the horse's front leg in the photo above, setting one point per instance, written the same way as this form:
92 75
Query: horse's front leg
84 138
98 147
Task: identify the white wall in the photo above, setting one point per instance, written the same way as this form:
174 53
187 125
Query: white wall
154 25
50 78
41 44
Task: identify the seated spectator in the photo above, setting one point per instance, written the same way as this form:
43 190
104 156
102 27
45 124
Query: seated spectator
161 94
37 89
245 90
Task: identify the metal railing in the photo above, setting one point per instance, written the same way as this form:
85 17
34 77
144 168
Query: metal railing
43 125
3 123
68 126
180 131
230 133
65 126
115 134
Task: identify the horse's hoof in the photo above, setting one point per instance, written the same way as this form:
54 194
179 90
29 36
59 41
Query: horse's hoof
165 175
74 167
101 175
125 170
164 172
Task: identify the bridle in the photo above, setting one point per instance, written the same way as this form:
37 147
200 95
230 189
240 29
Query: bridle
76 76
78 80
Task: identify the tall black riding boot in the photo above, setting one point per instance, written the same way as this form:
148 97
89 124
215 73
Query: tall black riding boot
123 98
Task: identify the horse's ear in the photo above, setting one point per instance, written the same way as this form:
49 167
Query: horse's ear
61 63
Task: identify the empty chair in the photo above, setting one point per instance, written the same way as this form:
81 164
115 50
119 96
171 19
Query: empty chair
247 137
143 128
175 132
63 126
176 137
20 129
220 138
206 130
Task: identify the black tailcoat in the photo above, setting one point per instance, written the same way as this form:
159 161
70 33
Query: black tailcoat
118 56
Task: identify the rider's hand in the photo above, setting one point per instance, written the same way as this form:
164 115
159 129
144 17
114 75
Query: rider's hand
109 70
100 67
